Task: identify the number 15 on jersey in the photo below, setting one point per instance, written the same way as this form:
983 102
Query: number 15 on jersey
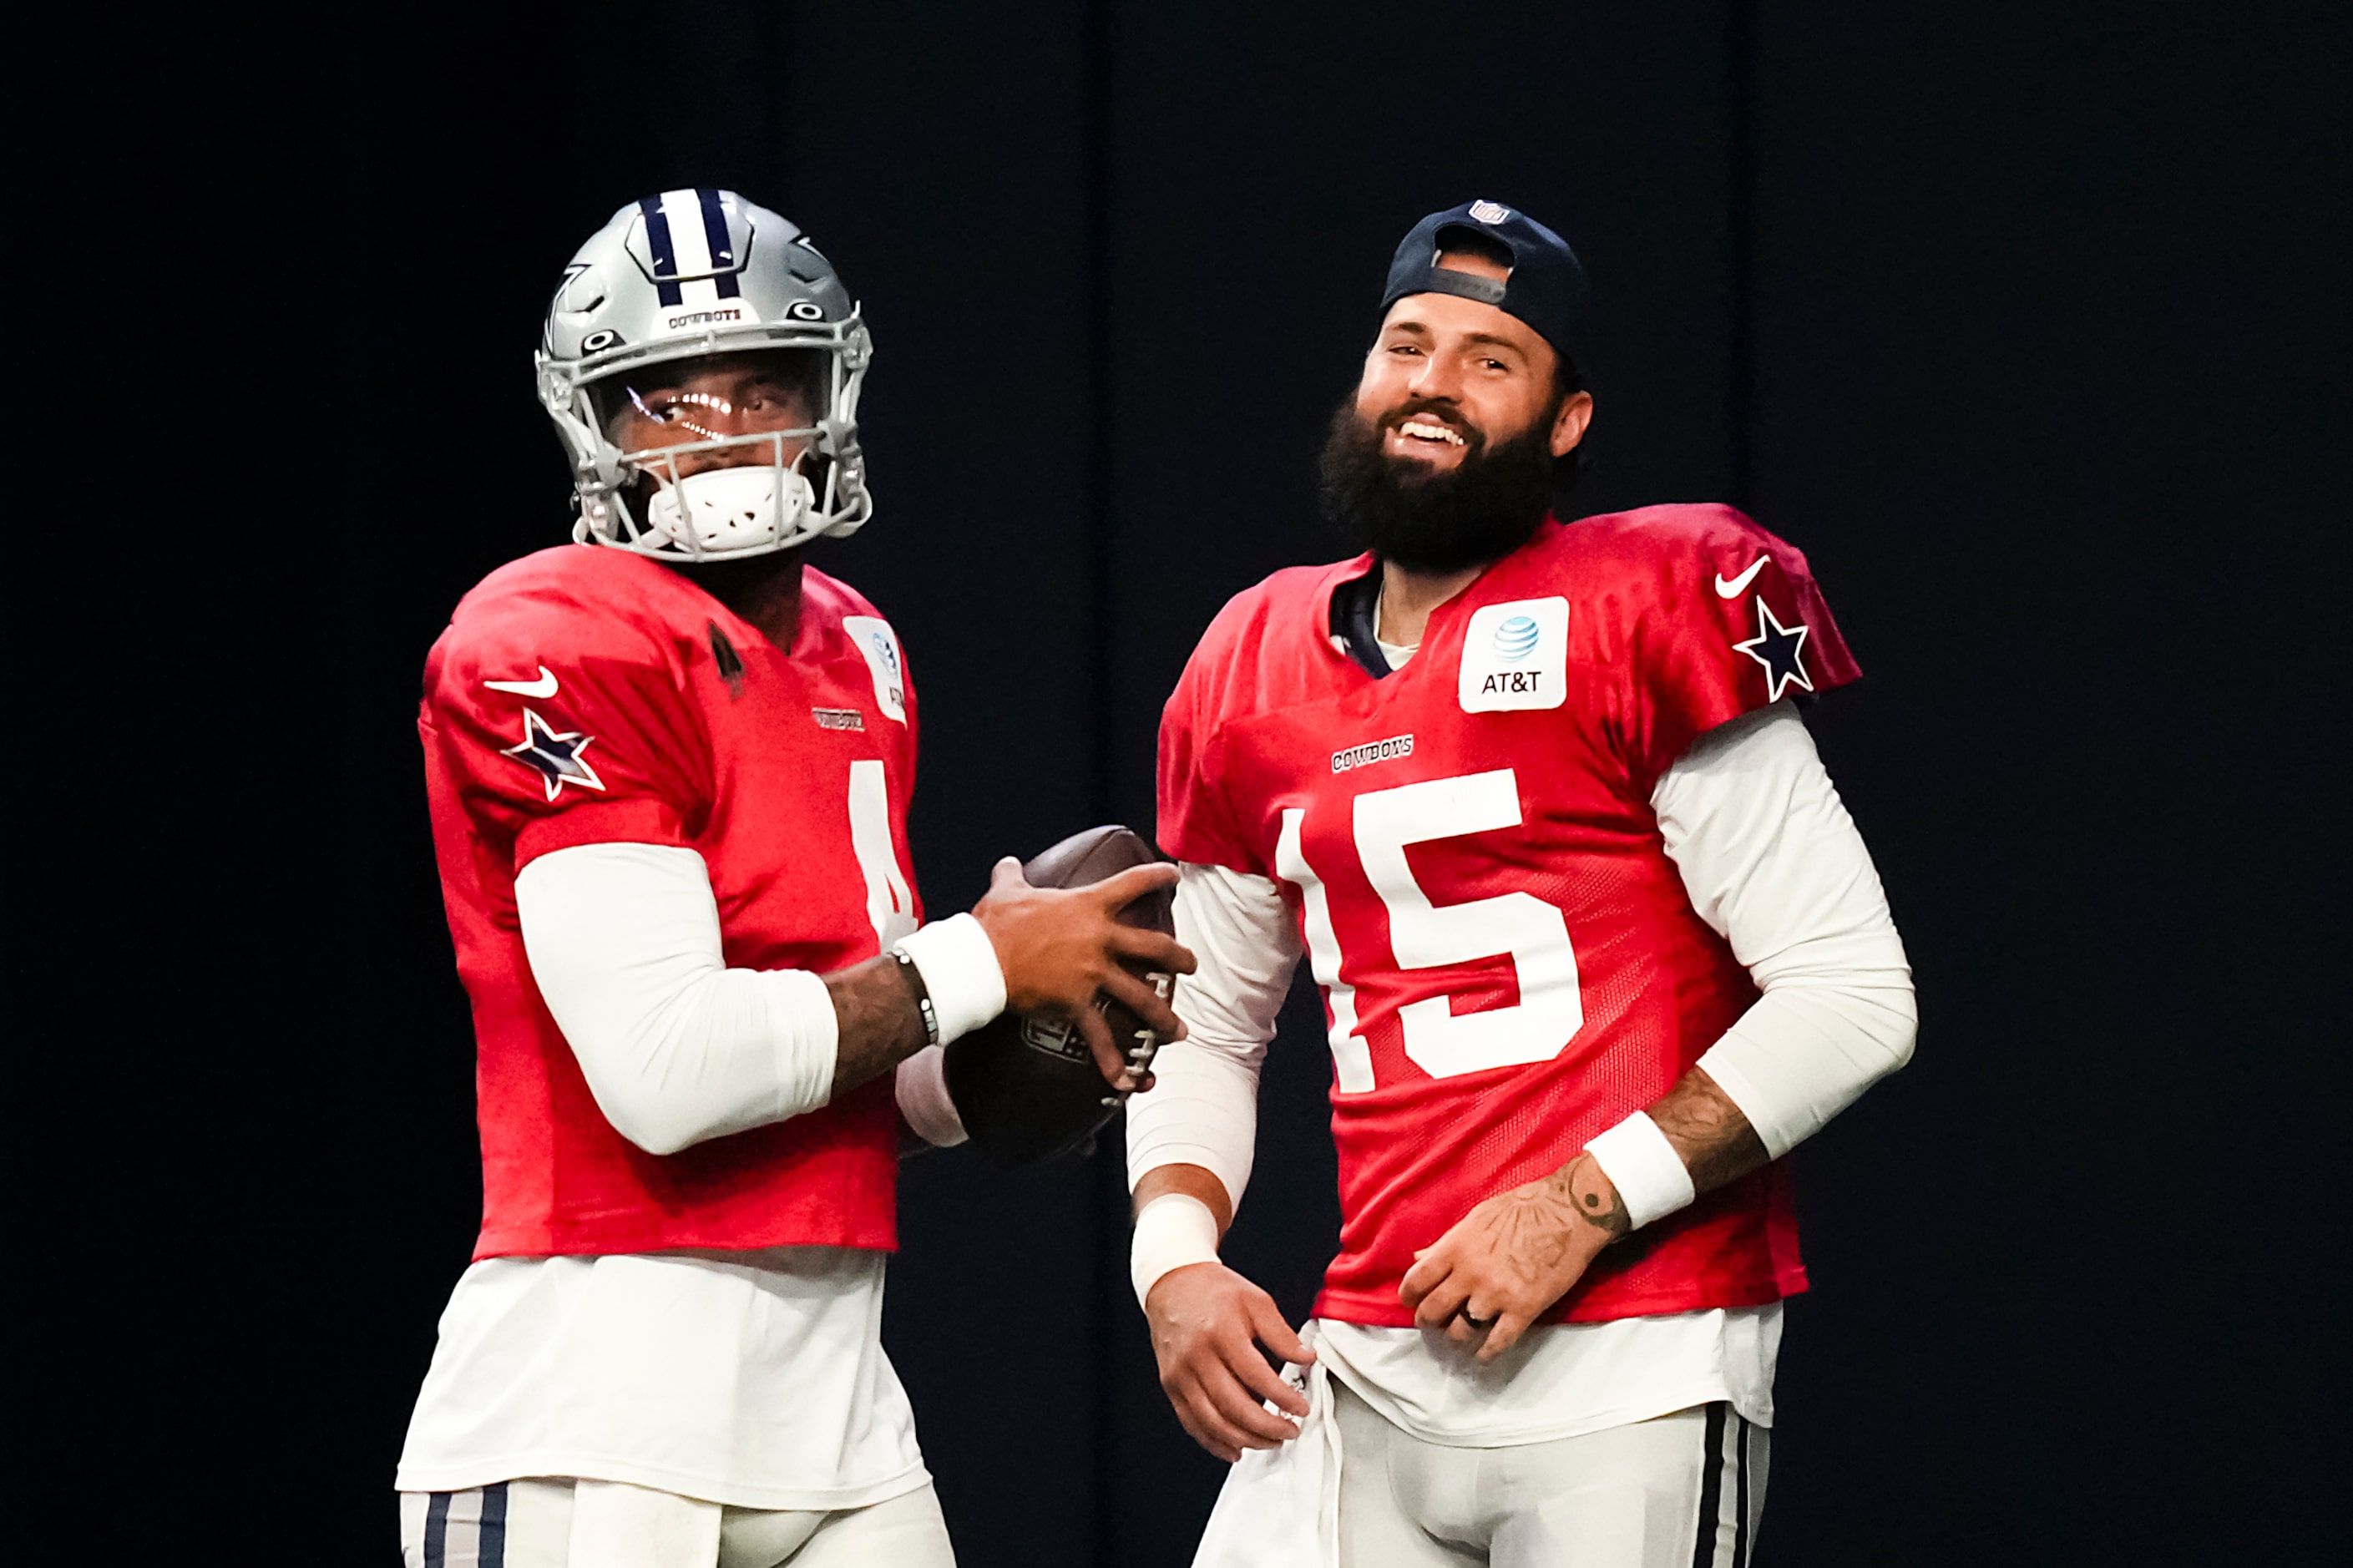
1423 935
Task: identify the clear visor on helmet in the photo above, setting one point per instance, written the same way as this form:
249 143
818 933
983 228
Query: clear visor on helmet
713 402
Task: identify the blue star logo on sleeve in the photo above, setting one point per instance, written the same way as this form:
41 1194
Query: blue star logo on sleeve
555 757
1781 650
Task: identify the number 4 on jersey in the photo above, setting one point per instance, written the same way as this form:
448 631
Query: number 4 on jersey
889 906
1423 935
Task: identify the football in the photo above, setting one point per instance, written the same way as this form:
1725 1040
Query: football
1027 1087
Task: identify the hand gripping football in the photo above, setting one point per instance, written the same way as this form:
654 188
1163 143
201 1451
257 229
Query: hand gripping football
1027 1087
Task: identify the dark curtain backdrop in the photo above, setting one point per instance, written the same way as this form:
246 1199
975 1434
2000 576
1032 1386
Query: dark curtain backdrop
2026 322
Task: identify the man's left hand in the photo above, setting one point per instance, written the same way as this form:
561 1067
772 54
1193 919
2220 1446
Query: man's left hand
1508 1260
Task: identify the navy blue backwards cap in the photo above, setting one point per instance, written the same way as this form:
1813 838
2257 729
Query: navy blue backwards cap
1547 288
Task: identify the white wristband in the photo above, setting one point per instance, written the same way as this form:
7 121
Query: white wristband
1175 1229
922 1089
1645 1169
960 970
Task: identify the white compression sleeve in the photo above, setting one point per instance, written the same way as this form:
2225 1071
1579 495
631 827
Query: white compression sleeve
677 1048
1772 862
1203 1111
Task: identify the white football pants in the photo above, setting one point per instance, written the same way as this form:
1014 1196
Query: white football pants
1683 1490
557 1523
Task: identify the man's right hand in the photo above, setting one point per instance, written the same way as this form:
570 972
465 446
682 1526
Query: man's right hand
1060 946
1208 1323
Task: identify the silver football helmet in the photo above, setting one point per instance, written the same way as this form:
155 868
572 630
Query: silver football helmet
686 275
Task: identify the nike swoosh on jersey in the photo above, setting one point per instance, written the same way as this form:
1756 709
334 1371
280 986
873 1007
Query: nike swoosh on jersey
545 685
1732 589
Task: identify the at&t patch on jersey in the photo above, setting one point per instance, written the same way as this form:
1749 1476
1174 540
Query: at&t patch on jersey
879 644
1516 656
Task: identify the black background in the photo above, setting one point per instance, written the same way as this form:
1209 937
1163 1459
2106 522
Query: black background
2027 322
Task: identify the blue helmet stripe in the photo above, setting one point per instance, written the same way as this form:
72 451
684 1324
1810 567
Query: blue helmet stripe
665 256
723 252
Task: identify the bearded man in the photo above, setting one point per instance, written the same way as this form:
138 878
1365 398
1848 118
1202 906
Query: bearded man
1597 944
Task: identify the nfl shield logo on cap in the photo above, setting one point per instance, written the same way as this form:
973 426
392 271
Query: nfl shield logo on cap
1488 212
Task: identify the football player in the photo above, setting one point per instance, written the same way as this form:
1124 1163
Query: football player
1596 940
669 767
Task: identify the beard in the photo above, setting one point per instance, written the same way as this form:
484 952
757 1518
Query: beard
1432 520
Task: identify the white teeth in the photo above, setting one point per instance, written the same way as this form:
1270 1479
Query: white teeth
1429 432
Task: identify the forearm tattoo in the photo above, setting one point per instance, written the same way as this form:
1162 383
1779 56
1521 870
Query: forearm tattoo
1708 1131
878 1024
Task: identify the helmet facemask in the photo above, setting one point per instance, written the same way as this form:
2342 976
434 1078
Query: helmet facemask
678 456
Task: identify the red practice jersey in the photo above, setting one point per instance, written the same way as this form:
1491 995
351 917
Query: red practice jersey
586 695
1509 962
